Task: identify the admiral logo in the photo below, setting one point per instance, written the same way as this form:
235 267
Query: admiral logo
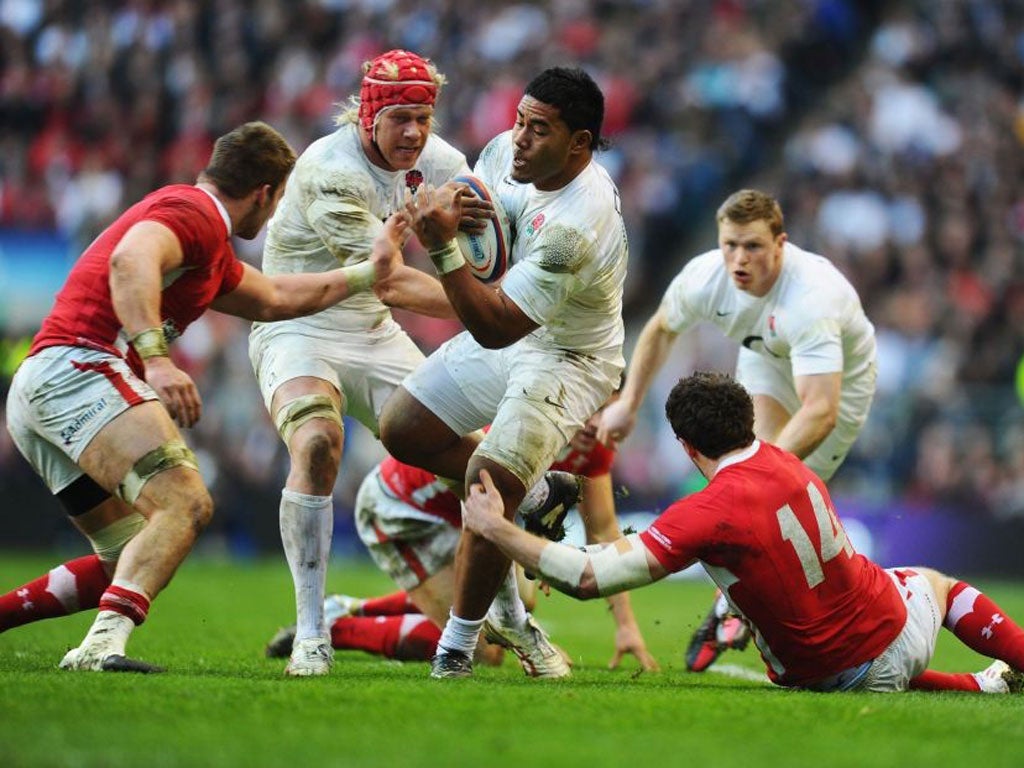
68 433
413 180
771 325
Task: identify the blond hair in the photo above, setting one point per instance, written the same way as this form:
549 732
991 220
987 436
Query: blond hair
750 205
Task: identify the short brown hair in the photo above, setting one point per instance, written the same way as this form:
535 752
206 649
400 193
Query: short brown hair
248 157
712 412
749 205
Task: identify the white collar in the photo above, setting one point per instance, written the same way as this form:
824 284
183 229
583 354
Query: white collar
736 458
221 208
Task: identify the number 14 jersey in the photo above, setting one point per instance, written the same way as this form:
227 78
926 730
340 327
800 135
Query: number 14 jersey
766 532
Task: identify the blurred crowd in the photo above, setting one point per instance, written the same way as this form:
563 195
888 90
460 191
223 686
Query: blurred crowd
891 133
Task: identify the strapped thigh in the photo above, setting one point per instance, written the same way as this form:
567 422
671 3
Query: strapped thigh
297 412
173 453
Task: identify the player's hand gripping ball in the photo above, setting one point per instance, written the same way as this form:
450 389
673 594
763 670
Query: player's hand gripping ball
487 252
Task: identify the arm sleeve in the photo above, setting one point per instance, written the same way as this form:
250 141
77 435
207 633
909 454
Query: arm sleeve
549 275
672 538
676 304
817 346
232 275
200 232
340 218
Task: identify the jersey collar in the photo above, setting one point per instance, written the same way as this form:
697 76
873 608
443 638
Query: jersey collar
736 458
220 207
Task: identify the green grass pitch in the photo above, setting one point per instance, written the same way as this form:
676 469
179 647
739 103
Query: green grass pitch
221 703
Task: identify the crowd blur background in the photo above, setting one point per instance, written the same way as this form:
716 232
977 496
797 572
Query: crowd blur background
890 132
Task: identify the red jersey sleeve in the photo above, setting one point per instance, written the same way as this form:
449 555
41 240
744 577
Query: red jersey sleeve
674 538
197 224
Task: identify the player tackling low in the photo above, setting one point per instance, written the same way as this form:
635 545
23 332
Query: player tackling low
823 617
807 353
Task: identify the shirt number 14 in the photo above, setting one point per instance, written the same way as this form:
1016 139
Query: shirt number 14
831 536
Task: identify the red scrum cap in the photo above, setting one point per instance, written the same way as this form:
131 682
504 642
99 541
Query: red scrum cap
393 79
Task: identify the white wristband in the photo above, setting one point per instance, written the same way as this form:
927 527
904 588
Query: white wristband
360 277
447 258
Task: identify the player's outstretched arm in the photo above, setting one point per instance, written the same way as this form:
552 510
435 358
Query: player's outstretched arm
652 348
598 570
282 297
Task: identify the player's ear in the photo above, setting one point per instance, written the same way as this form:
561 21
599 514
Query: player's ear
581 140
264 194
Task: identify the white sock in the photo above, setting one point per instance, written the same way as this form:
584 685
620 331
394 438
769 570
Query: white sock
460 635
108 634
507 609
307 523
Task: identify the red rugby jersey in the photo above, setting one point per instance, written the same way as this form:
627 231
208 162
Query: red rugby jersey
766 531
83 312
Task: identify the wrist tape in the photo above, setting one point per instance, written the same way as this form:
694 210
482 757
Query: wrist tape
360 277
447 258
150 343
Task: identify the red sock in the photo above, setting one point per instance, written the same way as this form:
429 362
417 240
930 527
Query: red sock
412 637
74 586
982 625
419 641
930 680
395 604
126 599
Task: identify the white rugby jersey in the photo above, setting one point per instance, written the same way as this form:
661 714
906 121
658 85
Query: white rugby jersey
810 322
568 254
334 204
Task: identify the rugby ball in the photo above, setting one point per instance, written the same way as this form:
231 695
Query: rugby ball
486 253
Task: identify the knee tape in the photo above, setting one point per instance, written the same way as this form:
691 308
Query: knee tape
171 454
297 412
108 542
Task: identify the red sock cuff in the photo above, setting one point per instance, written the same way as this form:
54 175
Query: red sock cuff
127 602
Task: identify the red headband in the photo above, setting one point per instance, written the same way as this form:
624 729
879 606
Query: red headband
394 79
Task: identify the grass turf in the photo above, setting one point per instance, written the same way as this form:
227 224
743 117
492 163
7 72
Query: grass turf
222 704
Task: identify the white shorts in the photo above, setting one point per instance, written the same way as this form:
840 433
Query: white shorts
762 376
59 401
365 366
408 545
911 652
535 398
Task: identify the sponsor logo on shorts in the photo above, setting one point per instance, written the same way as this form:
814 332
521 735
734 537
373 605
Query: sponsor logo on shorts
68 433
